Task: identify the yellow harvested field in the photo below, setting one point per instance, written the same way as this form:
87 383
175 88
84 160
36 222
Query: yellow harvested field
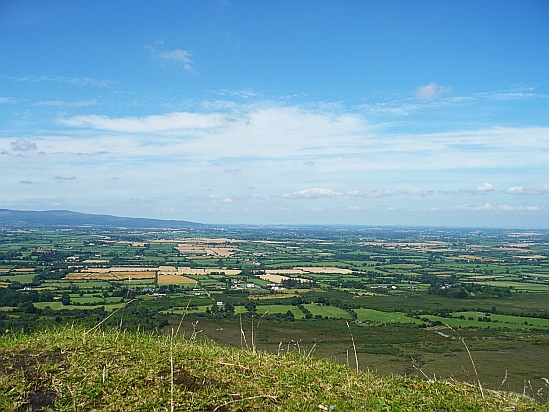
24 270
174 279
480 277
135 244
125 273
532 257
539 275
325 269
206 250
273 278
4 270
201 271
307 270
208 240
285 272
122 269
110 275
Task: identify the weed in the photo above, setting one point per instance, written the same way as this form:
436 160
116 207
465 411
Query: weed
110 370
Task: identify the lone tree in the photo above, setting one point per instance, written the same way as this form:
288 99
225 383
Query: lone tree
65 299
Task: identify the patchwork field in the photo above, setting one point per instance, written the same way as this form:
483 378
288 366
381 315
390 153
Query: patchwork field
395 289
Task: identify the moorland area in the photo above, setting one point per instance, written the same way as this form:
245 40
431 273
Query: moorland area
471 304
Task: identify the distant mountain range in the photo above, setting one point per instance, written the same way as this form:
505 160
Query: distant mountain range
66 218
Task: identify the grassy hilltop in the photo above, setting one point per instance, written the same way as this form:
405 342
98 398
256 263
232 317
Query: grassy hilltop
67 369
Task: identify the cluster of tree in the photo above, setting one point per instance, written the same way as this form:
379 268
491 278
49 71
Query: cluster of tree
293 283
10 296
130 318
464 290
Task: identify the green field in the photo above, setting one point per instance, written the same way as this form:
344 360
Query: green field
328 311
372 315
405 285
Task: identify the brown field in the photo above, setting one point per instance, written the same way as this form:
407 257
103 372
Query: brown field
4 270
174 279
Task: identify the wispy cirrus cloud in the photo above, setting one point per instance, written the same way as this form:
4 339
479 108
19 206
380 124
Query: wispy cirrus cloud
76 81
4 100
60 103
245 93
148 124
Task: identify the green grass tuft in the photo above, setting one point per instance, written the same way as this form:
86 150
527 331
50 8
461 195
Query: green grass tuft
67 369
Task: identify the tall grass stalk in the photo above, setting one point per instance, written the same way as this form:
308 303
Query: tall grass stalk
183 317
172 406
242 334
471 358
104 320
354 346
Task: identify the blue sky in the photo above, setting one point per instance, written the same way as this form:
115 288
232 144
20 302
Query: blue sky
270 112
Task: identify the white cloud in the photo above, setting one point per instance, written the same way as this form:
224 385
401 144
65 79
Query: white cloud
489 207
371 194
519 208
64 178
529 190
178 55
485 187
432 91
23 145
270 131
76 81
313 193
486 206
60 103
148 124
417 191
6 100
245 94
